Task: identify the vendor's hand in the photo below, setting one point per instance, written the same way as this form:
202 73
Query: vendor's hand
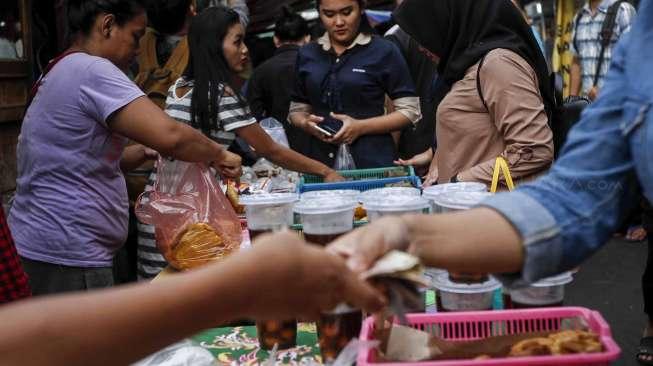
421 159
362 247
150 154
430 178
593 93
349 132
230 166
294 279
333 176
308 125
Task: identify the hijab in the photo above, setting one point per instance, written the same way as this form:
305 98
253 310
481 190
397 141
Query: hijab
462 32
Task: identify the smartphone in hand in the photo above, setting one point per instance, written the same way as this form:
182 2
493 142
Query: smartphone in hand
331 124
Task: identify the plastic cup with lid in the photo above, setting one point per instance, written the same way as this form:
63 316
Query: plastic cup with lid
348 193
432 192
544 293
325 218
269 212
464 296
389 191
377 207
457 201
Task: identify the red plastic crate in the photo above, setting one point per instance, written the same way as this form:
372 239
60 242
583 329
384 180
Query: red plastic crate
463 326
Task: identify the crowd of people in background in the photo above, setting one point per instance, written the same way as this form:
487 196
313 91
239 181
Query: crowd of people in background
447 86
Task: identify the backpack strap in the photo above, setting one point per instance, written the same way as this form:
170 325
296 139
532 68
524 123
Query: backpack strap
607 31
478 82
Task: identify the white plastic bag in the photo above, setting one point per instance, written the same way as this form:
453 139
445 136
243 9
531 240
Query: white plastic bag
185 353
275 129
344 160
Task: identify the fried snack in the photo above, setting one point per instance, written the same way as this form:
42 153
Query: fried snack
574 341
532 347
232 195
197 245
561 343
360 213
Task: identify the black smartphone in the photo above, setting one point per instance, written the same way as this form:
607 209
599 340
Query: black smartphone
331 125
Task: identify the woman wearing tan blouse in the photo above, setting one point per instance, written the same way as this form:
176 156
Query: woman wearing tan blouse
501 110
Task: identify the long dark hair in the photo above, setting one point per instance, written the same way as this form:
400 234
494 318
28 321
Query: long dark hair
207 66
81 14
365 26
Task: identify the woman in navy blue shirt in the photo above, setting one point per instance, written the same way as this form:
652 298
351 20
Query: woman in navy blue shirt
346 76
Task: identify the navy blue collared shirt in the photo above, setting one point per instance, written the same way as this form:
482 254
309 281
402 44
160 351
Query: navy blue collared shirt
354 83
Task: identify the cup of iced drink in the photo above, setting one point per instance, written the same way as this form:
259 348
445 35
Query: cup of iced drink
379 206
548 292
323 220
268 213
432 192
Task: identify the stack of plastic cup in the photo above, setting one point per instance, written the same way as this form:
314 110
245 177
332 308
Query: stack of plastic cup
432 192
377 207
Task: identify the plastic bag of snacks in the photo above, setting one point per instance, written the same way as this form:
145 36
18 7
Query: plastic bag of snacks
194 222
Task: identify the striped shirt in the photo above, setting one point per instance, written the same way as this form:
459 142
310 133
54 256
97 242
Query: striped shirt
232 115
586 38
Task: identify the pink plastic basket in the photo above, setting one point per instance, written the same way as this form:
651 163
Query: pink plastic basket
482 324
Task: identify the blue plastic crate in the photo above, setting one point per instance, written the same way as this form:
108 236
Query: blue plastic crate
361 185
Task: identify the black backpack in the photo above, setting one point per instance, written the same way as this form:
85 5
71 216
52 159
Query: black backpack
562 118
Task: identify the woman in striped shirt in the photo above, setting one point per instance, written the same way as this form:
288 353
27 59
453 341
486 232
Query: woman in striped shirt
217 52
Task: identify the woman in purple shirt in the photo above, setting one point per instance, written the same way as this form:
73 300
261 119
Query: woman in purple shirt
70 212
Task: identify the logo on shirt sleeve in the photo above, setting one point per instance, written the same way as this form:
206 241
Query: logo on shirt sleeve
362 71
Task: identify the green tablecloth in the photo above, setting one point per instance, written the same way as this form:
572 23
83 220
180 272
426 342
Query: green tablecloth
239 346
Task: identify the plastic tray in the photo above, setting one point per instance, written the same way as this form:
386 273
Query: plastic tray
365 174
361 185
482 324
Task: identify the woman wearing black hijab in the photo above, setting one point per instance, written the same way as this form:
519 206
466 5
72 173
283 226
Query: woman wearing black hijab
502 109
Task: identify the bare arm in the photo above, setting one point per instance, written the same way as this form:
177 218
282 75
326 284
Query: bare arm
575 77
147 317
458 242
145 123
355 128
283 156
134 156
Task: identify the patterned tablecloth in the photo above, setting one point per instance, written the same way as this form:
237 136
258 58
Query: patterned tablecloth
239 346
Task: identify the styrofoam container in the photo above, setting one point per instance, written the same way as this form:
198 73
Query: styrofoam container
463 296
326 215
378 206
272 211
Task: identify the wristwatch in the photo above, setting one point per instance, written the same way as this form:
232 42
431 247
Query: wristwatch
454 179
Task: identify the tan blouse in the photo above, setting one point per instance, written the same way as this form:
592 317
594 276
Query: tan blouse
470 139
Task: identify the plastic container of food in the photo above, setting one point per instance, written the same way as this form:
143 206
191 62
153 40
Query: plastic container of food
378 206
457 201
454 296
324 219
268 212
349 193
432 192
544 293
390 191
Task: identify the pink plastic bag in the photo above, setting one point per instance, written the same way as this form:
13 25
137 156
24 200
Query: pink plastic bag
185 196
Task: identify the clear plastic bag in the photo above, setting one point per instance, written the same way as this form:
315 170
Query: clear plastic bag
185 353
344 160
275 129
193 219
